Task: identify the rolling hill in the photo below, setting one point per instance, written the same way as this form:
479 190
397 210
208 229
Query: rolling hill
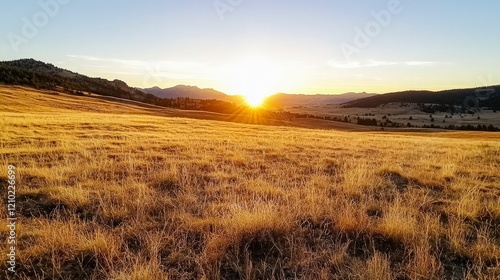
41 75
114 190
483 96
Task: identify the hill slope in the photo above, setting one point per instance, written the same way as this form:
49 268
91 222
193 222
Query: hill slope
40 75
37 74
486 96
38 100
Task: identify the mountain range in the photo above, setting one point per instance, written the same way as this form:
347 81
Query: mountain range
275 100
187 91
37 74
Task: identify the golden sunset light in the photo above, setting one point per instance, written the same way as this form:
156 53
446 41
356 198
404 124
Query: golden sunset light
248 140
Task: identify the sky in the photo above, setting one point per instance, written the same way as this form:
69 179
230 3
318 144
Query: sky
263 46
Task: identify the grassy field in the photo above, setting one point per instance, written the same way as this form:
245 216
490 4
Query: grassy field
108 190
410 113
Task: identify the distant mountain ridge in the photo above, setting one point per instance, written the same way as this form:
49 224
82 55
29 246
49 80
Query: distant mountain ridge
481 96
186 91
278 99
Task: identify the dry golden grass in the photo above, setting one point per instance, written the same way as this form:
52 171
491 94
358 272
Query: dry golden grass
111 191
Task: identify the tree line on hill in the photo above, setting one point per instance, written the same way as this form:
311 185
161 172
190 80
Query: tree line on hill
52 78
388 123
488 97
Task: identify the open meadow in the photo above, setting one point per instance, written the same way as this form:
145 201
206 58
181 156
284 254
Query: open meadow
410 114
108 190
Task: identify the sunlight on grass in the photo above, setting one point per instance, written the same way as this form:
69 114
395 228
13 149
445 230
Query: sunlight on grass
113 192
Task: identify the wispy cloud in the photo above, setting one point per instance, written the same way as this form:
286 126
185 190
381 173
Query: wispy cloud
84 57
376 63
153 72
421 63
142 64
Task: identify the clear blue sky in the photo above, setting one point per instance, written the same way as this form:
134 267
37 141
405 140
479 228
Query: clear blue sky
262 45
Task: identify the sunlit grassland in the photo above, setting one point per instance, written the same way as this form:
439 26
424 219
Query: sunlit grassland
106 191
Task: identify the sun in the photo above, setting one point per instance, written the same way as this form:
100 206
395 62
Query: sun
255 101
255 79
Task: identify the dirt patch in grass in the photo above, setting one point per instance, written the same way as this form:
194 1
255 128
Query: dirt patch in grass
33 181
332 168
84 265
397 180
133 243
257 251
455 265
169 187
491 223
196 240
38 205
374 212
402 183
